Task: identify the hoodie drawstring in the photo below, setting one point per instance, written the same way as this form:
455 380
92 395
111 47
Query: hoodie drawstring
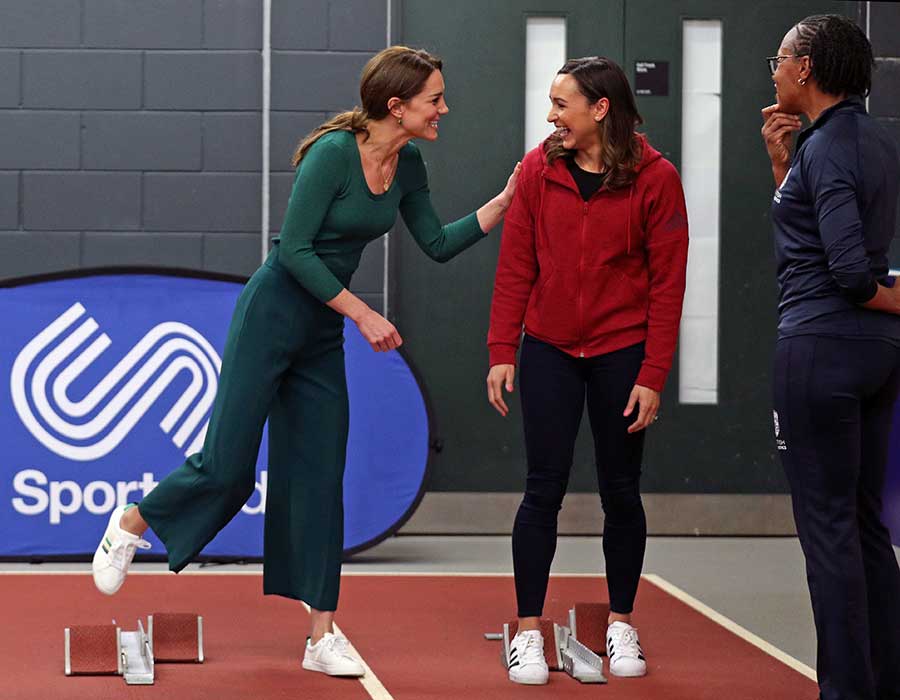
628 222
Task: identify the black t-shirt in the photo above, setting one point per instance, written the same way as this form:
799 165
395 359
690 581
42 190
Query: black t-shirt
587 182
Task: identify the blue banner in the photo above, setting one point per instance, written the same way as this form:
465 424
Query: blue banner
110 380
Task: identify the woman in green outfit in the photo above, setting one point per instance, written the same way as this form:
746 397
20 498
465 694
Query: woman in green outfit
284 359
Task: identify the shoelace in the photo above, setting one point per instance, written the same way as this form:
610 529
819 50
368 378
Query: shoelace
627 643
533 652
340 646
122 552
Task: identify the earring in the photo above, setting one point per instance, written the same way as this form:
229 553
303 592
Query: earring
802 81
400 121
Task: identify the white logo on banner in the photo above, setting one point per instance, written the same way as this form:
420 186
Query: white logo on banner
173 346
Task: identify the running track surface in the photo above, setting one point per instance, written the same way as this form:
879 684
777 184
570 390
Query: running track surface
422 636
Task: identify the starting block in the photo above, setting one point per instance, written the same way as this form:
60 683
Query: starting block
588 623
562 650
176 637
106 649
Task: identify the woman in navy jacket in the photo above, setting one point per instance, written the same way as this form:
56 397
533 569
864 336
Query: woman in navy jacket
837 359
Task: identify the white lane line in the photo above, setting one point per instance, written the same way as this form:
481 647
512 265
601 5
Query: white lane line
732 626
370 681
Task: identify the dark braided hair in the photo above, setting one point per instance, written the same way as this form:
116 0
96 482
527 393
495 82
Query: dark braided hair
840 54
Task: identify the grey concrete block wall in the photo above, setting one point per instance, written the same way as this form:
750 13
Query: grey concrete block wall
44 24
233 24
161 24
207 80
300 25
9 200
9 78
201 201
81 79
35 252
131 131
31 139
119 141
81 200
101 249
232 141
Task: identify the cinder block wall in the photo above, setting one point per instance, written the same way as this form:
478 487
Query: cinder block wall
131 130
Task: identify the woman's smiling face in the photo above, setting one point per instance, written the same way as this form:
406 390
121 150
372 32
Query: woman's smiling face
422 112
574 117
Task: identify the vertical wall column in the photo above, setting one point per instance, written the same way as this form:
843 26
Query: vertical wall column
266 122
545 52
701 129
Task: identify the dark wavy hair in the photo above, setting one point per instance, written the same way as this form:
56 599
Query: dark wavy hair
621 152
840 54
397 71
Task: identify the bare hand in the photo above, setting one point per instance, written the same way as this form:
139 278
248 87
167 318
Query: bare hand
777 132
378 331
647 401
500 377
506 195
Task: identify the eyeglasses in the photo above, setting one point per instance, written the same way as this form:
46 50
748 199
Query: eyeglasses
774 61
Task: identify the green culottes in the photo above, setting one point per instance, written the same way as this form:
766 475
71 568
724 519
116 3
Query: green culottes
283 360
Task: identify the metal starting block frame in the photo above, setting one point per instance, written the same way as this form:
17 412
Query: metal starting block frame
136 654
577 660
572 656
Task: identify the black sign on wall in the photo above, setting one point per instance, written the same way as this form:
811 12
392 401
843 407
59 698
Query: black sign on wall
651 78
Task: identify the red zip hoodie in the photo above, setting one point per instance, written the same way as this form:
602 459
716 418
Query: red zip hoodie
596 276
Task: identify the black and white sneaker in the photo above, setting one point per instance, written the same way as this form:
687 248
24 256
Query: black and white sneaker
626 658
526 659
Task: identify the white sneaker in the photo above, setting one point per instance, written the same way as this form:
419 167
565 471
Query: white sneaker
626 658
114 554
331 655
526 661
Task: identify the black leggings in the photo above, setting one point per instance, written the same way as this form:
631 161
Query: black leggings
553 387
834 399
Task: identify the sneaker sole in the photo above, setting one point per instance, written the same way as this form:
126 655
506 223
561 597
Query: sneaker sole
321 668
629 675
522 681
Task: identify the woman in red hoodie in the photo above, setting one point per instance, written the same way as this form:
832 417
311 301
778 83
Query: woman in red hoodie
592 262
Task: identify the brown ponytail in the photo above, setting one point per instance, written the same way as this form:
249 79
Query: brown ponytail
354 120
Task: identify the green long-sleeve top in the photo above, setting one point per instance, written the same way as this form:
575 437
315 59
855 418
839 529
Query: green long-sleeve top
332 215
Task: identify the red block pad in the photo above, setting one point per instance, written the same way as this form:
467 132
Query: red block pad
91 650
588 623
551 653
176 637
